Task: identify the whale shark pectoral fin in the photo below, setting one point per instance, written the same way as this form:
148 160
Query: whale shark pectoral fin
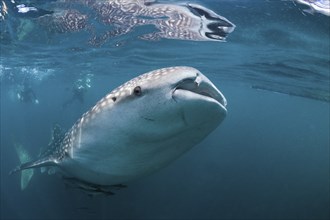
47 157
27 172
25 158
41 162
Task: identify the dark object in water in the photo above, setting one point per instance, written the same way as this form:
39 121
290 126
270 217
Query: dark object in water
27 94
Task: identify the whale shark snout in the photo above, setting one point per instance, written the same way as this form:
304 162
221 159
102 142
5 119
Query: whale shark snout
203 87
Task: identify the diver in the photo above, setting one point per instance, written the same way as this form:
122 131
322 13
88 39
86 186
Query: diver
27 95
79 90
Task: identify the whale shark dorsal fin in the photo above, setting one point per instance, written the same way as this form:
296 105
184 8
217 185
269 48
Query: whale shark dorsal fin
57 136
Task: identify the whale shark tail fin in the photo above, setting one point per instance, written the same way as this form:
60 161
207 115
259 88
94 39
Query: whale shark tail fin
24 156
46 158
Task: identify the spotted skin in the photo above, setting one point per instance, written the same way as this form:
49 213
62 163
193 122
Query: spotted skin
125 90
65 21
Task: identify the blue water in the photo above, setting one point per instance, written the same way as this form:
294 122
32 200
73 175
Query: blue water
269 159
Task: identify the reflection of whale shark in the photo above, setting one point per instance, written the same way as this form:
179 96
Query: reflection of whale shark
24 157
172 21
137 129
320 6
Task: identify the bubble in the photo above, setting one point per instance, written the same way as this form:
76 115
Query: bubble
19 74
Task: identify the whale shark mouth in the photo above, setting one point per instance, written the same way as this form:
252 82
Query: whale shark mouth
203 88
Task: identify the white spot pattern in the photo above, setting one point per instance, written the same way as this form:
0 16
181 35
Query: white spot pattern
107 102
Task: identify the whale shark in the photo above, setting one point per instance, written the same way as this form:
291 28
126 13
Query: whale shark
135 130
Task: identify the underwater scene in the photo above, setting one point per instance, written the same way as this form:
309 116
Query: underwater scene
163 109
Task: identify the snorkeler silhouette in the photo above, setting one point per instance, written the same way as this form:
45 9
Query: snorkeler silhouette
79 90
26 94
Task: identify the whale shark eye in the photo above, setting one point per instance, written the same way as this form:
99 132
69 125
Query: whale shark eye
138 91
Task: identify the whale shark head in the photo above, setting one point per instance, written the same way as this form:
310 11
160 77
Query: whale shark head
167 102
